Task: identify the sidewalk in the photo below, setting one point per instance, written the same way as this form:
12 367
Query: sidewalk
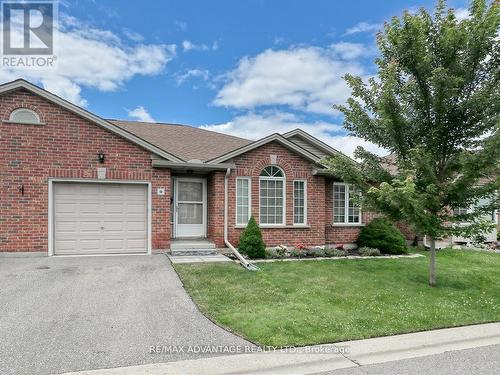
303 361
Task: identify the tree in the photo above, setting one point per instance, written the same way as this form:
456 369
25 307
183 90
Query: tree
435 106
251 242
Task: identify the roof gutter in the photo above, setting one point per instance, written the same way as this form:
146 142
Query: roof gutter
243 261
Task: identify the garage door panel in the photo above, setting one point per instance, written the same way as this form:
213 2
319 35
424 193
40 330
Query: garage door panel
86 189
100 218
114 208
65 245
90 244
114 226
89 227
114 244
89 208
136 226
136 244
67 227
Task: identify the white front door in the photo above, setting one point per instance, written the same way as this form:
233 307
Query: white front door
190 207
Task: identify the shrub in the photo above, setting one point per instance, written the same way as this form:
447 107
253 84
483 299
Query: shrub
382 235
271 253
369 251
335 253
298 253
281 251
251 242
314 252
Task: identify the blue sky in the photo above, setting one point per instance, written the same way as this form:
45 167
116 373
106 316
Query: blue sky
247 68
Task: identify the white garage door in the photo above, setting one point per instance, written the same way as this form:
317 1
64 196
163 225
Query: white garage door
92 218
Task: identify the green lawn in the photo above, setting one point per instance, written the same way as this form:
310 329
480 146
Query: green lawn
311 302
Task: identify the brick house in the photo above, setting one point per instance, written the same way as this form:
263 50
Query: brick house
74 183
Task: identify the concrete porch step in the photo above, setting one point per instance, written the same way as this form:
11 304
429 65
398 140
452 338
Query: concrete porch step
195 252
193 247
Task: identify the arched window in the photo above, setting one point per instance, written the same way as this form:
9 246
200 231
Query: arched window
272 196
24 116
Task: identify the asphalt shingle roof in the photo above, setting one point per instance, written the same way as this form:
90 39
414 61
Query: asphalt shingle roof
185 142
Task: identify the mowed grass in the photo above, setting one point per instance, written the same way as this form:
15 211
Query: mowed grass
312 302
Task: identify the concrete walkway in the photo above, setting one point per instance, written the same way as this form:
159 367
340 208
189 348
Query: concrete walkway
324 358
182 259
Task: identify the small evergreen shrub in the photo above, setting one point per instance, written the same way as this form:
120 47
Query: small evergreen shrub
381 234
251 242
369 251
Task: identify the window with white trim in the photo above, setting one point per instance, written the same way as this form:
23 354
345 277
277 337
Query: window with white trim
299 202
345 208
272 196
24 116
243 200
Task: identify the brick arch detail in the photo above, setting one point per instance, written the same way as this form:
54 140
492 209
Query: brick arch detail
264 162
34 108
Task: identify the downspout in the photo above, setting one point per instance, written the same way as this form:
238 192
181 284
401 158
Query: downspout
243 261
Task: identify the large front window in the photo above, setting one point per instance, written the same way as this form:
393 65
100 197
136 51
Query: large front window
345 208
272 196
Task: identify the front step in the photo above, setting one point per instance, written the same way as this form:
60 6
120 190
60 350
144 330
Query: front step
196 247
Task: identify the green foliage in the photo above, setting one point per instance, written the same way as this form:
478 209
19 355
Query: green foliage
298 253
435 107
251 242
369 251
381 234
315 252
335 253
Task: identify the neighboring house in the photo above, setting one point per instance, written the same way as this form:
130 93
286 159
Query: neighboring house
74 183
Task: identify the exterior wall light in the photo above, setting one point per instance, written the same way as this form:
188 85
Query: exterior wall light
102 156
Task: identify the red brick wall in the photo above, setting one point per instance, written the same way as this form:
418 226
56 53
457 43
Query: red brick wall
336 234
65 146
250 165
215 208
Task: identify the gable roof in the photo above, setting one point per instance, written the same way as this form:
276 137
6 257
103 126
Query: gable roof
312 144
186 142
261 142
23 84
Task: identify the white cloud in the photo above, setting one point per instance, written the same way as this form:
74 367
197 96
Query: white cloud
192 73
304 78
462 14
349 51
88 57
363 27
133 36
187 46
141 114
255 126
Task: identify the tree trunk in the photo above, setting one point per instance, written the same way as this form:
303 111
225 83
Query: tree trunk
432 263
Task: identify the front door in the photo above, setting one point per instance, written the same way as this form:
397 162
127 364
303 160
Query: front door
190 207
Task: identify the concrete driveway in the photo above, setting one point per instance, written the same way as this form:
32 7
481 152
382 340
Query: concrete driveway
75 313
